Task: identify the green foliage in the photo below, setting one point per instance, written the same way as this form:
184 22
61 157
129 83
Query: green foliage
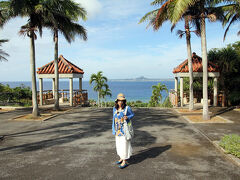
231 144
92 102
137 104
100 85
167 103
228 61
21 95
156 97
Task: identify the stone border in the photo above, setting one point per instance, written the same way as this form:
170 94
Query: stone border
231 157
188 113
188 120
44 119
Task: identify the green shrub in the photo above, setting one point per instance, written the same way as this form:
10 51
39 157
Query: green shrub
231 144
167 103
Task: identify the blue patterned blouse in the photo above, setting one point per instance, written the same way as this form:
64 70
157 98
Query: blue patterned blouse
117 122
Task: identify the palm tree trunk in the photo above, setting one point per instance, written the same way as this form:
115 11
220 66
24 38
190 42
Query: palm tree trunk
189 51
98 99
56 74
35 111
205 69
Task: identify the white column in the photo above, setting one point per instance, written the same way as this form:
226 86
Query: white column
53 87
176 91
41 91
215 93
71 91
181 91
80 84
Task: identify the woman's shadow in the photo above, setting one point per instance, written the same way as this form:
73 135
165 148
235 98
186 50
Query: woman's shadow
148 153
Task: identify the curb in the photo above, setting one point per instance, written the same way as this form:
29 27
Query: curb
231 157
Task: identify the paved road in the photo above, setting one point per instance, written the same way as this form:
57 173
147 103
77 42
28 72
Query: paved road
79 145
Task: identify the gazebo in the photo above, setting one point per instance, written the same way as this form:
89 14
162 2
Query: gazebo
66 70
182 71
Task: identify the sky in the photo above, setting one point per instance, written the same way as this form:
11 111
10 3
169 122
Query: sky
117 44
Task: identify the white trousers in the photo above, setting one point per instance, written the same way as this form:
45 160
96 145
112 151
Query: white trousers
123 146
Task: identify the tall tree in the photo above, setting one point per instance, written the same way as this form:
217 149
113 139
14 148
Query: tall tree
205 9
32 9
61 17
164 13
99 80
187 32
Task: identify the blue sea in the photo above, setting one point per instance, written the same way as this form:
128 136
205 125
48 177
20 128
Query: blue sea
133 90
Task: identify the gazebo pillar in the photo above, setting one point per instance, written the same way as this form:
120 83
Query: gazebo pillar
71 91
53 87
176 91
215 92
41 91
80 84
181 91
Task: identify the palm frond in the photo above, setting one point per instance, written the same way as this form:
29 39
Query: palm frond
157 2
149 16
230 23
180 8
180 33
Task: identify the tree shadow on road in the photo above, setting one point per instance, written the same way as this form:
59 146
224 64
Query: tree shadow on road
152 152
77 125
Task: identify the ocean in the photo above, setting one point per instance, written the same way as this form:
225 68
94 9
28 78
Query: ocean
133 90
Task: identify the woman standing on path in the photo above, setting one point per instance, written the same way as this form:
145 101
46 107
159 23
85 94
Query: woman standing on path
121 113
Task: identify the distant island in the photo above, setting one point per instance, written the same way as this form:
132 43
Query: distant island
142 78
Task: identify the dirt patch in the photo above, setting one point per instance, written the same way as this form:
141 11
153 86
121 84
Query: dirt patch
237 109
198 119
6 109
185 149
29 117
187 111
61 111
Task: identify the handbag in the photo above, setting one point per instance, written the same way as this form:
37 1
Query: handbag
128 128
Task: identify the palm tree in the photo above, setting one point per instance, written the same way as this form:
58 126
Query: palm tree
156 97
164 13
99 81
105 92
32 9
205 10
5 15
189 52
61 16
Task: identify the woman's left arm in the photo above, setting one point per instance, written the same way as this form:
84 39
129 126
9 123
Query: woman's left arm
130 114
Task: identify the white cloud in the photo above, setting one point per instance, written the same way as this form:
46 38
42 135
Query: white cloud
93 7
116 44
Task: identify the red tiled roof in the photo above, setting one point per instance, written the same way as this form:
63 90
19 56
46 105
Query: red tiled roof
196 64
64 67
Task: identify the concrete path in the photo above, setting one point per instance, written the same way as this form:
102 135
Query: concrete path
79 145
